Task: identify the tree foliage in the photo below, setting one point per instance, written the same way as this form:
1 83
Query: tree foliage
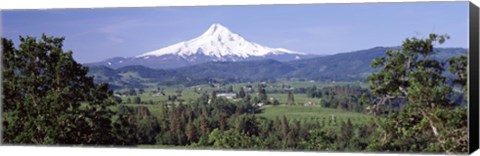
290 98
412 100
48 99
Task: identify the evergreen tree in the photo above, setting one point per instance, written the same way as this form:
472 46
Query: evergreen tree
132 92
284 127
204 126
147 126
191 132
137 100
346 134
290 99
248 98
213 96
241 93
262 94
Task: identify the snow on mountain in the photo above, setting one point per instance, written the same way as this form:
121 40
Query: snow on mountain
218 41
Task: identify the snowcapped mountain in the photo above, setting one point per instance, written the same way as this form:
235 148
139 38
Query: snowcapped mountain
218 43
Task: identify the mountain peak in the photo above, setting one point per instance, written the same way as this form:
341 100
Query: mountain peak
217 28
218 33
220 43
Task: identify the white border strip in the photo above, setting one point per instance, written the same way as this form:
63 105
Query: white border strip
77 151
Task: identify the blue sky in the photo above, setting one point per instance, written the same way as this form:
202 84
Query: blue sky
97 34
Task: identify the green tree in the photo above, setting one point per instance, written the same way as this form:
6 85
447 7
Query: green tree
117 99
262 94
232 139
247 124
255 100
346 134
241 93
322 139
290 99
137 100
172 98
248 98
132 92
204 126
48 97
146 125
284 127
191 132
276 102
411 78
213 96
123 128
458 67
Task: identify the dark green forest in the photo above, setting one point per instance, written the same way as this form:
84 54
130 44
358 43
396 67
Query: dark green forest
50 99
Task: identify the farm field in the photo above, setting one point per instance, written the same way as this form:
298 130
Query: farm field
193 92
312 114
316 113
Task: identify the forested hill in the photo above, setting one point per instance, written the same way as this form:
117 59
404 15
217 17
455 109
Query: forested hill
351 66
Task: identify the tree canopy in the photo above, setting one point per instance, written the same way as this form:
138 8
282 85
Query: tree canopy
48 99
412 100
